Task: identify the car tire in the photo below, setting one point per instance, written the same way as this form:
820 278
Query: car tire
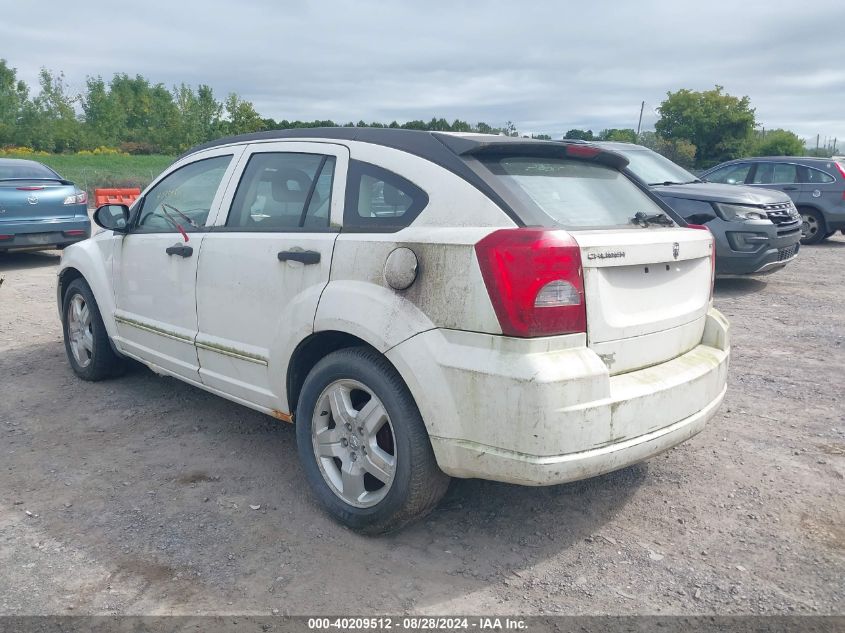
87 344
813 228
346 391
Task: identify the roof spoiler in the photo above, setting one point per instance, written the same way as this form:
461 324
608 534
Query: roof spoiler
512 146
61 181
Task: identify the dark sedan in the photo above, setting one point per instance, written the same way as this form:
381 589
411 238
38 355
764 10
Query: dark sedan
38 208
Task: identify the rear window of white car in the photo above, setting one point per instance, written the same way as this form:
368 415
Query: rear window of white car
573 194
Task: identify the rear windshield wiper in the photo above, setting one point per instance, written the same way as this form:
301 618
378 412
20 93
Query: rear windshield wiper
644 219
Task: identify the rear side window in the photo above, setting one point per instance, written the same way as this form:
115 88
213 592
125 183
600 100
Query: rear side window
282 191
379 200
573 193
784 173
817 177
775 174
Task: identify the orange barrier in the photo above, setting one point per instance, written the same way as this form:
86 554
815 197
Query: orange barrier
115 196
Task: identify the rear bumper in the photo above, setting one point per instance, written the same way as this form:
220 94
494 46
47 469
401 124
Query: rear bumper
42 234
546 411
535 470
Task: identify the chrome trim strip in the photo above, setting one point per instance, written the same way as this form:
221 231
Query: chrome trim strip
239 355
154 330
259 360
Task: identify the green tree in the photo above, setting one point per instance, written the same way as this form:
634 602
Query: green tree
105 121
14 95
163 121
199 115
626 135
777 143
53 118
579 135
461 126
241 117
718 124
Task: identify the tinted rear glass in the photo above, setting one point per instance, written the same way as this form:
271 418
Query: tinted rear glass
572 193
25 170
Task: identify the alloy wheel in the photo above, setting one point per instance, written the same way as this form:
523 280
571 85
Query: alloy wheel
80 335
353 441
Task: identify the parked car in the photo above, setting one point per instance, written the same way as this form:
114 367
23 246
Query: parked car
816 185
756 230
38 208
421 305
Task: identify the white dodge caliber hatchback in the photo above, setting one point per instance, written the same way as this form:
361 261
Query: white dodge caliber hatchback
421 305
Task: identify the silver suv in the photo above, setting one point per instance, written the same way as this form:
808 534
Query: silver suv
816 186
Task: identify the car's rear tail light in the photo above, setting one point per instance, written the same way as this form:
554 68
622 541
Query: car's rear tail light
6 237
80 197
712 254
535 281
74 232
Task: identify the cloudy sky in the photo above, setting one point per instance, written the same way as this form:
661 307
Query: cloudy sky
547 66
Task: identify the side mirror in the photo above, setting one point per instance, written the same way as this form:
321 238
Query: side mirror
114 217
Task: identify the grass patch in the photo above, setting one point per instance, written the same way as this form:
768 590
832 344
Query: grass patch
91 172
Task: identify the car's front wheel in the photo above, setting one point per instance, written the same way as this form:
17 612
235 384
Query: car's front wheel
813 228
86 339
363 444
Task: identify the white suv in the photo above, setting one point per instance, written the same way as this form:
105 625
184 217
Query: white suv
421 305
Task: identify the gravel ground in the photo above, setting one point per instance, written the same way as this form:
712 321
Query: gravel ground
136 496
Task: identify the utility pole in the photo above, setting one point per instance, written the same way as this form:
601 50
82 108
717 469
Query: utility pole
640 123
835 138
817 144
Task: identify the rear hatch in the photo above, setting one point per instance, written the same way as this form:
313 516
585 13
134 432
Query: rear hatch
35 199
647 293
646 280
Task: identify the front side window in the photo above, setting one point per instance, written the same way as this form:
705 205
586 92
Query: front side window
573 193
731 175
763 174
183 199
378 199
282 191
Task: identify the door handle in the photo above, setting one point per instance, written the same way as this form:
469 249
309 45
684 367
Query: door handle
790 188
304 257
180 249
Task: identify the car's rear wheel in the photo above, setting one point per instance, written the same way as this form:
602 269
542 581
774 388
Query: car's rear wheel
363 444
813 228
86 340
